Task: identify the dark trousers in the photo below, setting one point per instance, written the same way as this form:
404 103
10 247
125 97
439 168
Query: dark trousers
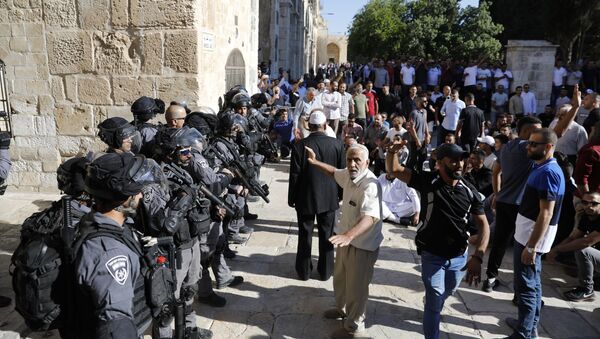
442 132
306 225
506 215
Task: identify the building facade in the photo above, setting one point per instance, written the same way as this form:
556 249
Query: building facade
73 63
289 35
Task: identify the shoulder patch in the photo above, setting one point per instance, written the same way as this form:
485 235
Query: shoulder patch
118 267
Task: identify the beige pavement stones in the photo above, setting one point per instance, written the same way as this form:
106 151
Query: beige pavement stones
272 303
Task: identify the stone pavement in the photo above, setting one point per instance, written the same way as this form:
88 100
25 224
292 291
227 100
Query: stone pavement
273 303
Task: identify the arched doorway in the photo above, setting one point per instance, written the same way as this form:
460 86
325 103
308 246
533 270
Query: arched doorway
235 70
333 52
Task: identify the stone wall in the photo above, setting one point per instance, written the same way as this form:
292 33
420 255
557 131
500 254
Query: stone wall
73 63
532 62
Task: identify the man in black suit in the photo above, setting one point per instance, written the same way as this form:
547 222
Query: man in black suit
312 193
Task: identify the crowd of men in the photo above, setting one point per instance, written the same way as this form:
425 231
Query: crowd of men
459 164
466 164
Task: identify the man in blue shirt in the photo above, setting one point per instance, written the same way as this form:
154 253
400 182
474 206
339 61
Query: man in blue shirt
535 230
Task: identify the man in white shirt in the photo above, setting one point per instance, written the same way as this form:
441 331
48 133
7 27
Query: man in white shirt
346 107
573 78
486 144
331 100
563 98
399 200
433 76
483 76
571 140
503 77
303 108
499 103
529 101
450 111
559 77
470 77
408 77
358 237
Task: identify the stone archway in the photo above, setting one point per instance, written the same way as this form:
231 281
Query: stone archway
235 70
333 52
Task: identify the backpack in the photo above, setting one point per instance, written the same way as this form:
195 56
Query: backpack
37 277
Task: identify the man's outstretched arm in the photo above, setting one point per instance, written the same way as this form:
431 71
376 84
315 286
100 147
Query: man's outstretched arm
323 167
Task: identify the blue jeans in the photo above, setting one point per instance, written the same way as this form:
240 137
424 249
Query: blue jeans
441 277
528 288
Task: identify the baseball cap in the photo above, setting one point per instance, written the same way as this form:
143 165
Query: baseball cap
452 151
488 140
317 118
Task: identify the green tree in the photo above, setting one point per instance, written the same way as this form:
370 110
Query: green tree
423 28
377 30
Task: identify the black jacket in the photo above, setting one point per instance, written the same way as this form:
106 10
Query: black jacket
310 190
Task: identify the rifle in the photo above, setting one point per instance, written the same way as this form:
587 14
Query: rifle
177 308
240 171
181 177
264 134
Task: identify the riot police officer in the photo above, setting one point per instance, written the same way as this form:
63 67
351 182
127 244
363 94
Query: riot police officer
119 135
144 109
109 294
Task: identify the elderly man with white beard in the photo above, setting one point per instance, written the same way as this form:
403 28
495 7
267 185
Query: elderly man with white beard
358 236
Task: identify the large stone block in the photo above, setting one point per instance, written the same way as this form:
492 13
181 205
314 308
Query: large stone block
71 87
74 120
36 44
21 3
19 44
24 104
69 52
22 124
57 88
120 13
94 90
94 14
69 146
33 29
181 50
168 13
38 87
5 30
61 13
26 72
126 90
45 105
150 46
45 125
17 29
24 15
178 87
112 54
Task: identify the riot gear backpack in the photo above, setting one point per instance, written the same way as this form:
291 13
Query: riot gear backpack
38 276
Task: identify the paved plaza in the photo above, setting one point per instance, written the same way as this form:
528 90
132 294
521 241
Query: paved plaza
273 303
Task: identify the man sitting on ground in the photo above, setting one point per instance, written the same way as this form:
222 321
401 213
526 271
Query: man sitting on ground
585 241
401 204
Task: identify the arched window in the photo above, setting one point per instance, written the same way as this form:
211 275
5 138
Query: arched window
235 70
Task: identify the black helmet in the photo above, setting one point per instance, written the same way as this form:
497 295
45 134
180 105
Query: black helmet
114 130
204 120
112 176
259 99
164 142
146 108
240 100
71 176
225 122
231 93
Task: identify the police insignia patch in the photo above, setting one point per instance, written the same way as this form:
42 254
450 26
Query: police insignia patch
118 267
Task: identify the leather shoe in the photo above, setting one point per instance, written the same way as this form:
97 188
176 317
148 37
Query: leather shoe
229 253
213 300
334 313
234 281
5 301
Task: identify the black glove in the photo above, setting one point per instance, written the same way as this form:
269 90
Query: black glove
4 140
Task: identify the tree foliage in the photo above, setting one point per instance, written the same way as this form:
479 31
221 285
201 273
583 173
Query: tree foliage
423 28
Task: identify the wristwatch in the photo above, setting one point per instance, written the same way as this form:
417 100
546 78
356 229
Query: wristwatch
530 250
